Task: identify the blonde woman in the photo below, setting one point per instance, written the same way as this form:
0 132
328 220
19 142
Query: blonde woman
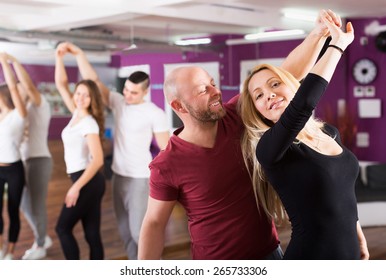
302 158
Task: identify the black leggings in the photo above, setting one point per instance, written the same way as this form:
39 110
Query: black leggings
88 211
12 174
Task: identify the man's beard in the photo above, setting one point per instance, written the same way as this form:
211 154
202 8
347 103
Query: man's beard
206 115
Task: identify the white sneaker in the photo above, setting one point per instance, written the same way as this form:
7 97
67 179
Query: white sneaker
37 253
47 242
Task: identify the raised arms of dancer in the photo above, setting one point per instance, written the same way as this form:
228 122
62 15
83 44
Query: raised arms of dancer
12 85
26 82
300 61
61 80
85 68
325 67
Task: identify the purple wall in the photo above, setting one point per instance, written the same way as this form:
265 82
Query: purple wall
376 127
342 87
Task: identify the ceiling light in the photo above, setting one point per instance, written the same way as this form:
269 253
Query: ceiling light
271 36
199 41
274 34
131 47
299 15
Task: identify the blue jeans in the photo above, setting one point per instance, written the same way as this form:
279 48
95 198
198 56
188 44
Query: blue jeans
276 254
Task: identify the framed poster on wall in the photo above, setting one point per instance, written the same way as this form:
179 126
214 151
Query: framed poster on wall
370 108
57 106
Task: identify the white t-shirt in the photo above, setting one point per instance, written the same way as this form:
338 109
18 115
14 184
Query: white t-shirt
134 126
76 152
38 121
11 134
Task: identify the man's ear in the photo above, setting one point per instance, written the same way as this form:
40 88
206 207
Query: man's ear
177 106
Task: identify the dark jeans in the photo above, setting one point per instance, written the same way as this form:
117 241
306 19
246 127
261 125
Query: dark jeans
88 211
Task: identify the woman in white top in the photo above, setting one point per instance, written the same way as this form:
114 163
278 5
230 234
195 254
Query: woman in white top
83 156
12 125
136 122
37 161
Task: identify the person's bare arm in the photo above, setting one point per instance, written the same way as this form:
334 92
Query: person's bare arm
61 79
365 255
26 82
340 40
300 61
162 139
152 236
12 85
87 71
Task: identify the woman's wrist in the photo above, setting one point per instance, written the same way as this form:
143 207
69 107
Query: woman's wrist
339 49
339 43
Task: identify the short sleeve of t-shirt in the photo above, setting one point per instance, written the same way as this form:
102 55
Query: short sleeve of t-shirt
160 123
161 188
76 152
89 126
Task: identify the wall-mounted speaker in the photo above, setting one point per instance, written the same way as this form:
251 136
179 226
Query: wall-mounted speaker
380 41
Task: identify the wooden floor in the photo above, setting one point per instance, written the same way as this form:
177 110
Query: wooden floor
177 238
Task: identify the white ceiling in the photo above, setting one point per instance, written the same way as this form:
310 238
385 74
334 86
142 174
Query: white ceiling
115 24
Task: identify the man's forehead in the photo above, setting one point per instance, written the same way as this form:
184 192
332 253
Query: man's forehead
192 77
129 84
202 77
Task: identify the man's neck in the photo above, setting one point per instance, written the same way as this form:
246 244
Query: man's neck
203 135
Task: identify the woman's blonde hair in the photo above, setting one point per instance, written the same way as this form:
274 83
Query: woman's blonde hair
255 126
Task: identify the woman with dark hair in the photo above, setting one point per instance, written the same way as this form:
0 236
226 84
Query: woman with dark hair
83 156
12 125
136 123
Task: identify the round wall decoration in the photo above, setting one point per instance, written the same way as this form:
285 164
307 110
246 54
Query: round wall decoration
365 71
